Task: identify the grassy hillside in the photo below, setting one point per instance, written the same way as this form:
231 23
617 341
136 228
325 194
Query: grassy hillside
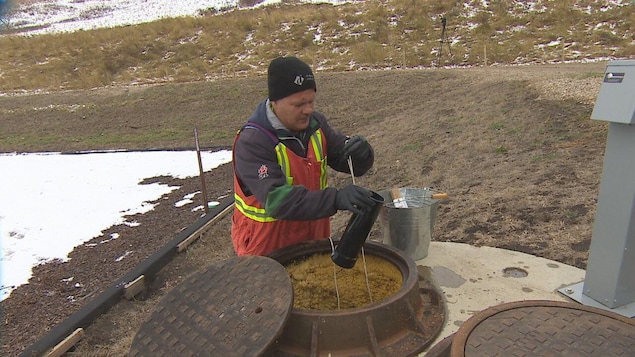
232 42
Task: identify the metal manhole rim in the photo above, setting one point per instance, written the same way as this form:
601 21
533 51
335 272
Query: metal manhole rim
461 336
417 341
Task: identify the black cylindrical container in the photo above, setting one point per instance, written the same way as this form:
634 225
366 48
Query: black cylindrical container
357 230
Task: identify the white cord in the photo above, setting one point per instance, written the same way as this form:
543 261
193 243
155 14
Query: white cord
350 168
370 296
337 292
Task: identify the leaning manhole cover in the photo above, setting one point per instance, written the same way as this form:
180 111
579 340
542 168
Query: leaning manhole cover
235 308
544 328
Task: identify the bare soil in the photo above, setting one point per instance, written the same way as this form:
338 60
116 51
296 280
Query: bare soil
514 147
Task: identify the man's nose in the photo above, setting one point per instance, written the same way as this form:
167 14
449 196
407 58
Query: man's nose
307 109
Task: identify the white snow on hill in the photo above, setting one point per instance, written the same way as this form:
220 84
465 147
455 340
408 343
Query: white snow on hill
73 15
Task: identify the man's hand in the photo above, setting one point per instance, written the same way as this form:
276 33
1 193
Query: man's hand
357 147
354 198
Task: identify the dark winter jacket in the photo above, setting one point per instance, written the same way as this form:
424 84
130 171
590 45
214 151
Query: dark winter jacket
253 149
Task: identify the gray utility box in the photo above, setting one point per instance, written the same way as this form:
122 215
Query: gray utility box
610 275
616 101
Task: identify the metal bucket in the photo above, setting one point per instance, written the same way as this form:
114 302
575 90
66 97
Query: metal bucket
409 229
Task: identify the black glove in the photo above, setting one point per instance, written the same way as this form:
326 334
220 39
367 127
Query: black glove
354 198
357 147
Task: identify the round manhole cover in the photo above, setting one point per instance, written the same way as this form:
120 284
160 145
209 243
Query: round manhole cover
235 308
544 328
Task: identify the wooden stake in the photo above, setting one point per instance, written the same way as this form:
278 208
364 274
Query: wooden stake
62 347
133 288
404 56
485 56
201 173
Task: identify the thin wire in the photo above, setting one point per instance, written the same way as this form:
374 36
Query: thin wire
350 168
370 296
337 292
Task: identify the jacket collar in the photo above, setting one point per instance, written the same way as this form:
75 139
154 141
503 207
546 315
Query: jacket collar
273 118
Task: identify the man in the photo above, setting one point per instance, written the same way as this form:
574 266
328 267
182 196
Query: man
280 160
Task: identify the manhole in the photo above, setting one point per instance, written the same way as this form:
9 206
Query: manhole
543 328
235 308
403 324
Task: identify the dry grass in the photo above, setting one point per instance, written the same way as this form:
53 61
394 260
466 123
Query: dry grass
384 34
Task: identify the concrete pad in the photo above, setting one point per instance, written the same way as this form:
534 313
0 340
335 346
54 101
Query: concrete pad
475 278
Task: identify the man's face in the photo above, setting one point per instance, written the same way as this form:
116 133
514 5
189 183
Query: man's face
295 110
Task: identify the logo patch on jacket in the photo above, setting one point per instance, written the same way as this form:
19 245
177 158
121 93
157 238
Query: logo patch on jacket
263 172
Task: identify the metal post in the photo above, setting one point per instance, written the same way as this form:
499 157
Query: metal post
610 277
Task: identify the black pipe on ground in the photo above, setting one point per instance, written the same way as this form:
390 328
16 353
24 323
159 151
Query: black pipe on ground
111 296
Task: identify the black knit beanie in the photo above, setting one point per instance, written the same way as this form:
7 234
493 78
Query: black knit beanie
288 75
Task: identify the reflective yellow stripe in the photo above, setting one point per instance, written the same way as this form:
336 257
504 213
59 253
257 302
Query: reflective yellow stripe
316 141
283 161
257 214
